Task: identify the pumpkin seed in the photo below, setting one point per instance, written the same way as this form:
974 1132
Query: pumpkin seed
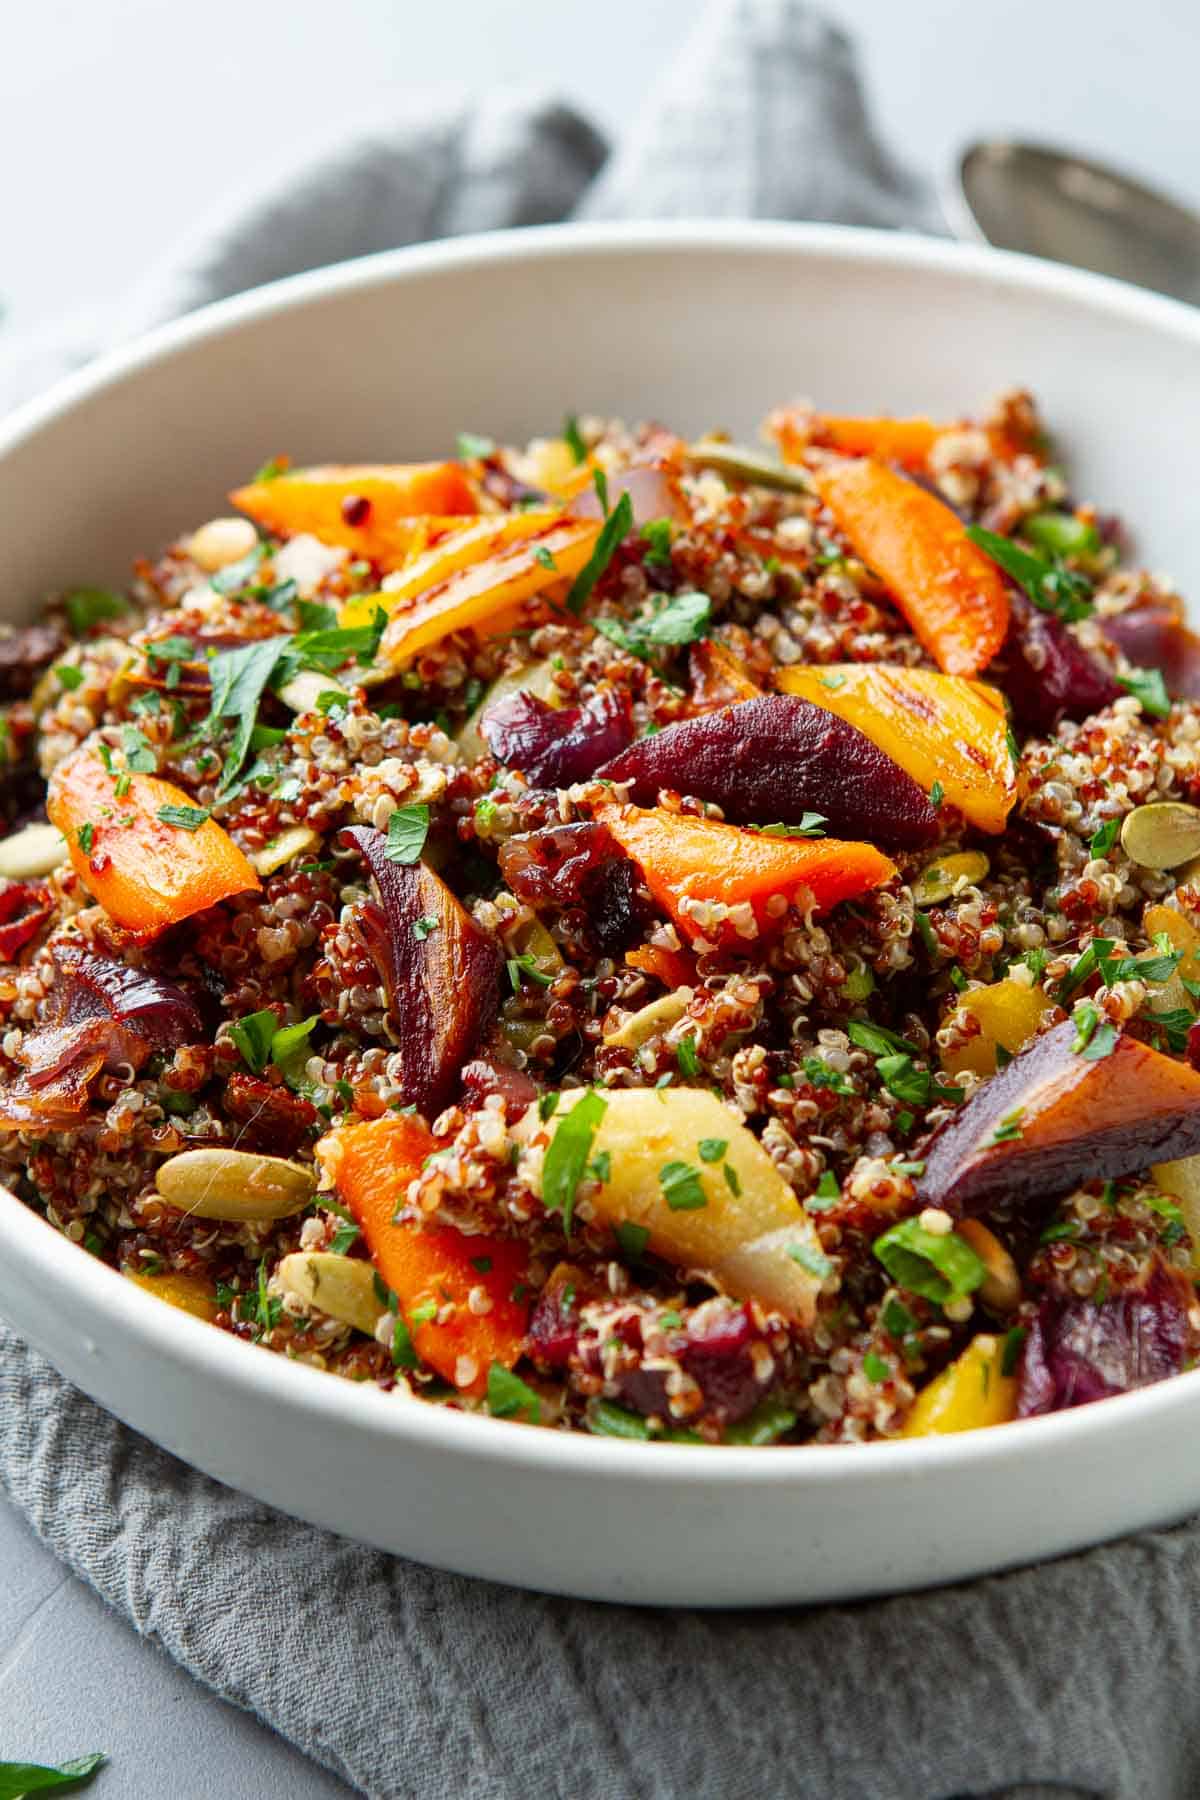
938 880
32 852
221 542
235 1185
341 1286
658 1016
1162 835
749 465
281 849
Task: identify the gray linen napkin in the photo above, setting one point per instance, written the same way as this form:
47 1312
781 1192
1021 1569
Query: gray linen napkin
409 1682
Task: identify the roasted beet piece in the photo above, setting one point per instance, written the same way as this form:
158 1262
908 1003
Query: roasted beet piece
23 656
776 758
1077 1351
441 972
484 1077
1053 1118
1053 676
1155 637
716 1353
554 746
273 1119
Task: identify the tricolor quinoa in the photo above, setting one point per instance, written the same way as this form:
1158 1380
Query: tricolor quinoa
664 939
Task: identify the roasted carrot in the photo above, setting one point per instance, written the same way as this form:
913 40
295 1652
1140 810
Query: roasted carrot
432 1270
952 595
941 729
474 595
134 855
461 544
674 968
365 508
697 868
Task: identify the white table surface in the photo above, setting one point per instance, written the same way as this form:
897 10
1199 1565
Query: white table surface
119 123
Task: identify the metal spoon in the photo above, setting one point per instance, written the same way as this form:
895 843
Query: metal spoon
1058 205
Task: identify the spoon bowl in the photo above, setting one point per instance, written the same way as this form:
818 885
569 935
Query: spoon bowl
1055 204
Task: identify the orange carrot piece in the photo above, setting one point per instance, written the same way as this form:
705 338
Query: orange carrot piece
429 1267
674 968
719 677
906 441
952 595
367 509
690 863
146 872
472 596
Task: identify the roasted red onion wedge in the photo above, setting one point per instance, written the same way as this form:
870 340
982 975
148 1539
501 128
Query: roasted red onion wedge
1155 637
1056 677
652 495
25 907
553 746
1078 1351
776 758
1053 1118
441 972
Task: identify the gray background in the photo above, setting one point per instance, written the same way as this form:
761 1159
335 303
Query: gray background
120 123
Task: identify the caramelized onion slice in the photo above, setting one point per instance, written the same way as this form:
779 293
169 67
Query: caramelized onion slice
441 972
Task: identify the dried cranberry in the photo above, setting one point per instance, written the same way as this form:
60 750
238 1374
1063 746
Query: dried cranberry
1078 1351
273 1119
25 907
356 509
1055 677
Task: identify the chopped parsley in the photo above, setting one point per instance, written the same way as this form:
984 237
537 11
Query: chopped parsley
877 1039
937 794
876 1368
407 829
1148 686
680 620
1052 587
814 1262
253 1037
404 1351
86 606
1010 1351
472 446
818 1074
86 836
545 558
656 533
424 926
1009 1127
938 1267
687 1058
1104 838
508 1397
568 1154
617 526
809 825
520 967
682 1188
573 438
631 1239
188 818
711 1150
70 676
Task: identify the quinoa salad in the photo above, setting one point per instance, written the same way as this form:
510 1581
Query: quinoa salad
671 939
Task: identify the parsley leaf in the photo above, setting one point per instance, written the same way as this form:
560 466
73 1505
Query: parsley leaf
86 606
508 1396
1051 587
253 1036
471 445
810 825
569 1153
656 533
1148 686
1104 839
407 830
681 621
617 525
239 679
877 1039
937 1267
574 438
18 1779
632 1239
188 818
682 1188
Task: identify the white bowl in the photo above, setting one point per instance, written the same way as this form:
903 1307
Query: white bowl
700 326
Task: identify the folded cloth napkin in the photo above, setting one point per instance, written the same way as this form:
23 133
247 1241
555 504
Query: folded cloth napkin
1063 1680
